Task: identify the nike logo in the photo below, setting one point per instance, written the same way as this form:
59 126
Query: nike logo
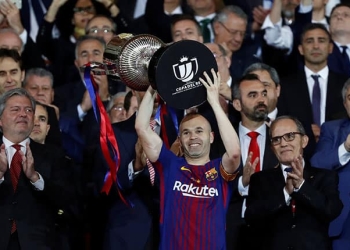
185 169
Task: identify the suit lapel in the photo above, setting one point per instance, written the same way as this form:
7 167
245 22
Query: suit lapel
270 159
304 94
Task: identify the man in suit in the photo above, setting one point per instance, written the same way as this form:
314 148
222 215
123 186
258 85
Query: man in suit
290 206
332 152
317 87
250 99
185 27
33 178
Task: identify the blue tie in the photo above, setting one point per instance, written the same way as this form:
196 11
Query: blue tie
316 101
345 58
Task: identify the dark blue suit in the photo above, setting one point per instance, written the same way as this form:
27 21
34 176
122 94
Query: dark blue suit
333 134
336 63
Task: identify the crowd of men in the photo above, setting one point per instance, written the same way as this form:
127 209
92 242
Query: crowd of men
263 164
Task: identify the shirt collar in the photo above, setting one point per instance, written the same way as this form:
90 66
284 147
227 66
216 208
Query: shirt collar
323 73
244 131
176 11
229 82
8 143
200 18
338 44
272 115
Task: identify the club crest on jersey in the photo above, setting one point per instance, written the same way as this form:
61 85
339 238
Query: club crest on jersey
211 174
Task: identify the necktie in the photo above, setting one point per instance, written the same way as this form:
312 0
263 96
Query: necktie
345 57
151 171
316 101
254 147
15 171
205 29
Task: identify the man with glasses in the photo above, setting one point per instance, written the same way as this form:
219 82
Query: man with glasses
230 26
101 26
290 206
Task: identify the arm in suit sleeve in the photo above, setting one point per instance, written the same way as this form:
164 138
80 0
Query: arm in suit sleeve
326 155
262 203
322 198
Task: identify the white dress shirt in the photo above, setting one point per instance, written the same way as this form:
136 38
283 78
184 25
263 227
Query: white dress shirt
211 16
323 80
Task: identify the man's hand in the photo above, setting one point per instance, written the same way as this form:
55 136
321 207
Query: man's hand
347 143
212 87
225 91
28 165
316 130
249 169
11 12
297 173
53 9
3 160
289 185
176 148
86 103
259 15
102 82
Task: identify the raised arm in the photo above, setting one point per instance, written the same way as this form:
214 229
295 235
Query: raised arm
231 158
150 141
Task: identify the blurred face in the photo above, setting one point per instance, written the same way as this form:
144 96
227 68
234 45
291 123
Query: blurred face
273 92
186 30
196 137
17 120
41 126
83 12
315 47
134 106
288 7
286 152
347 101
222 61
339 21
117 112
40 88
10 40
89 51
11 75
253 103
101 27
201 5
231 32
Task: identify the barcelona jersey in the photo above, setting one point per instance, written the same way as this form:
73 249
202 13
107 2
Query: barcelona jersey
194 201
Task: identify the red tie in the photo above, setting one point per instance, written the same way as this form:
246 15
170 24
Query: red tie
254 147
151 171
15 171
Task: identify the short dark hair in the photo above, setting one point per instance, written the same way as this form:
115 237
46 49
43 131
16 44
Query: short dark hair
299 125
185 17
338 6
313 26
127 100
236 92
45 108
40 72
13 54
82 39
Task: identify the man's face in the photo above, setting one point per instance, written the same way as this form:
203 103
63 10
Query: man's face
84 10
286 152
186 30
134 106
201 5
231 32
41 126
347 101
101 27
10 40
196 137
11 75
253 103
339 21
17 120
273 91
117 112
222 61
40 88
89 51
315 47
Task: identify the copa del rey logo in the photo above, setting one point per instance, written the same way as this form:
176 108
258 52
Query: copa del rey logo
185 72
190 190
186 69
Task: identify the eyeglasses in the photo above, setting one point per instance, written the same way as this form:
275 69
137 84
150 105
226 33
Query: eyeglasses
97 30
234 32
118 108
287 137
343 15
81 10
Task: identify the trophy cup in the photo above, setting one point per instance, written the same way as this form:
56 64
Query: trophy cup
172 69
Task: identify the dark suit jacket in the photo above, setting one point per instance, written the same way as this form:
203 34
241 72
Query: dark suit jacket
336 63
295 100
333 134
34 211
317 203
236 237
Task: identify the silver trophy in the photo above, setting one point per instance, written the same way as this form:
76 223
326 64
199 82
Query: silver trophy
127 57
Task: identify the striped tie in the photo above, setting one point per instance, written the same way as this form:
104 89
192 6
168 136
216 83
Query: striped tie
15 171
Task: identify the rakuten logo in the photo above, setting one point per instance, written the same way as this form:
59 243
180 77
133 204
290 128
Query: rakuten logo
193 191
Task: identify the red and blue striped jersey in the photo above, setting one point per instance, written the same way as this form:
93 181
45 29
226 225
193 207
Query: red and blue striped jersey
194 201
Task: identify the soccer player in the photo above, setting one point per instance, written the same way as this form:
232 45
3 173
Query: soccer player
195 190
